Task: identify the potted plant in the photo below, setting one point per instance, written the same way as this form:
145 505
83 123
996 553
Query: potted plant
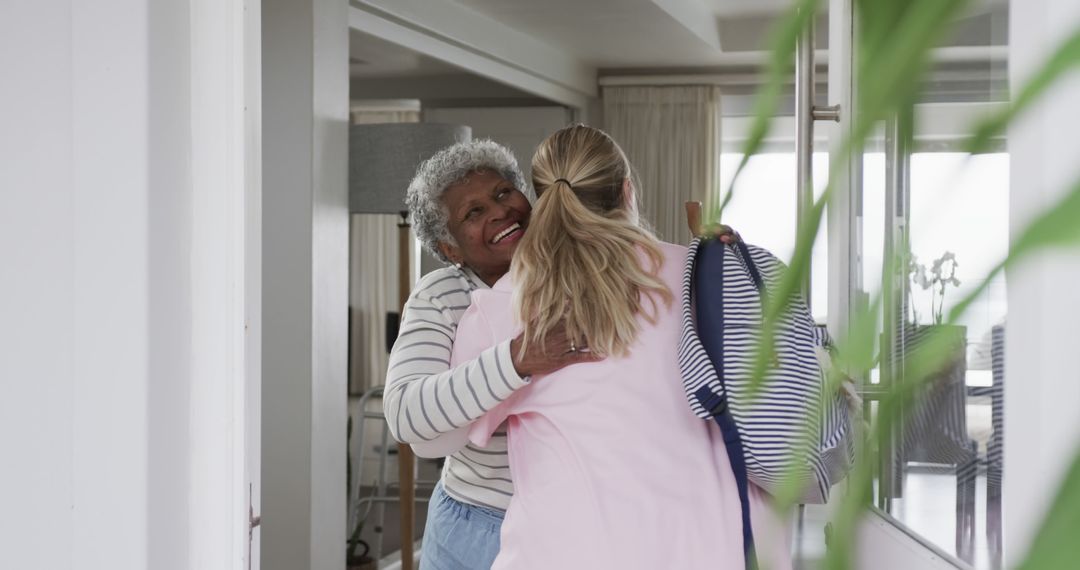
938 278
940 275
935 431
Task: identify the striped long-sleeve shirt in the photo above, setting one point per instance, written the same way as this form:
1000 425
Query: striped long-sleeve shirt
424 398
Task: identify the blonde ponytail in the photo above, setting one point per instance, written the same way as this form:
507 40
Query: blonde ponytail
581 259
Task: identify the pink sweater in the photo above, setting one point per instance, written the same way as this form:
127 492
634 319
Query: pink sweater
611 469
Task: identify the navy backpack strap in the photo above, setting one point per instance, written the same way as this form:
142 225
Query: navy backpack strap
709 277
744 253
755 275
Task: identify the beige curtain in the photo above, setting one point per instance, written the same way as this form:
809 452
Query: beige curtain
373 284
671 134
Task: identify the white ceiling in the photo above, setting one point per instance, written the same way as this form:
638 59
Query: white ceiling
373 57
568 42
619 33
737 8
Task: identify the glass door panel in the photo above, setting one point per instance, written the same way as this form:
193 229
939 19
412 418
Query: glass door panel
944 215
764 210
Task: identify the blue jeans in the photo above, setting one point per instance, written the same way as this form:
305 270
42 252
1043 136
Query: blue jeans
459 536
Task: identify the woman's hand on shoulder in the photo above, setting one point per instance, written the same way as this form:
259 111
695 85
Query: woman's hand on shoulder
721 232
555 353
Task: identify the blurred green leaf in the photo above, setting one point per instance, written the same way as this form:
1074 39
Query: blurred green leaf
1058 226
1056 546
854 359
894 52
857 358
786 291
1066 58
784 37
892 74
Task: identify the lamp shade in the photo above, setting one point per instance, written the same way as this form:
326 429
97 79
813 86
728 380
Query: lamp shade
383 160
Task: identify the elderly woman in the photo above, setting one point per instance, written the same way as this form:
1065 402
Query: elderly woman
470 208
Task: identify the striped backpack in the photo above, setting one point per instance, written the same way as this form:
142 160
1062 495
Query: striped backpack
767 434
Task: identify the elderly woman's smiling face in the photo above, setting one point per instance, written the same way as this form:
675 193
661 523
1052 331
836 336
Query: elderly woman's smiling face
487 216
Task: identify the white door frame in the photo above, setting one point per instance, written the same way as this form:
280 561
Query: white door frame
226 237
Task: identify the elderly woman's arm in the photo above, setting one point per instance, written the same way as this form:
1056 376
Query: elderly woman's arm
428 404
444 445
424 397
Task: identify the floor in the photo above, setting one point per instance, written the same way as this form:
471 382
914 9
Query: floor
929 509
389 531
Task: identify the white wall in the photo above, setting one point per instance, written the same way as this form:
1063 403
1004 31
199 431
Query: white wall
465 39
439 88
122 223
521 129
37 341
1042 386
305 283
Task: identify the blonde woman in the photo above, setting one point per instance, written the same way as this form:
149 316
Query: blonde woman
470 207
611 469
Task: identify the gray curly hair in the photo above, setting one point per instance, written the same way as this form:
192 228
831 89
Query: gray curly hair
452 164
